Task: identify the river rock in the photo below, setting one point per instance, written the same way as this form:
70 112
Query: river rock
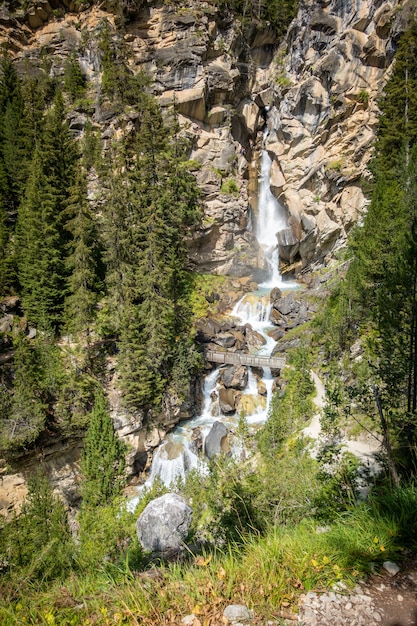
287 305
275 295
225 340
235 376
216 441
254 340
164 524
197 440
262 390
228 398
249 404
276 334
207 328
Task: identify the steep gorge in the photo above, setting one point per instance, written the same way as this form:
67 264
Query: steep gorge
317 91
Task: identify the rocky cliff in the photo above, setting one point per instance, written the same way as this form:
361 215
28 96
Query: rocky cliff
315 93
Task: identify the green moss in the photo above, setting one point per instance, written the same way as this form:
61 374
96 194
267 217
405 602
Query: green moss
335 166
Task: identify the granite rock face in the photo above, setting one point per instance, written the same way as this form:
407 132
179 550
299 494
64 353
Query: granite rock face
323 118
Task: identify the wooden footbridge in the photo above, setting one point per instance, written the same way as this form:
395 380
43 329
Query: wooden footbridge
235 358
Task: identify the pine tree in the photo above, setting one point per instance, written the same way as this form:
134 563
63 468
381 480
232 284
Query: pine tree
11 137
12 178
118 83
81 262
383 273
397 127
162 202
7 265
118 240
40 228
102 462
25 417
74 80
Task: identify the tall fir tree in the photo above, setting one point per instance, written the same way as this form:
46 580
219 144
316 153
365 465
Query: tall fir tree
397 126
162 201
24 416
11 137
74 79
102 462
40 229
40 539
82 282
12 177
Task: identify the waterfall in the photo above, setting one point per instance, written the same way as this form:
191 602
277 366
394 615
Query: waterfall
175 456
178 454
271 219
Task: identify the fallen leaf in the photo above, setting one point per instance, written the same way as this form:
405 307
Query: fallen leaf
201 561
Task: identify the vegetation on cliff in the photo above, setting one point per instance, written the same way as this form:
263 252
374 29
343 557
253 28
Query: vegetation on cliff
116 273
376 303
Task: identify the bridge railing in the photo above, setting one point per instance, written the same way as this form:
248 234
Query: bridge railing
235 358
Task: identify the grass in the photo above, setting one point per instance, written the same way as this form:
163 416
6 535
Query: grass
265 572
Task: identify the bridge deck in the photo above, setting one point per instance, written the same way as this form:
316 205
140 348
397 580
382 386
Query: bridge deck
234 358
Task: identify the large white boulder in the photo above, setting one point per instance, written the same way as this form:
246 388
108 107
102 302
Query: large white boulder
164 524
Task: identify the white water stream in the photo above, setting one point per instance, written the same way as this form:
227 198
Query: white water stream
177 454
271 219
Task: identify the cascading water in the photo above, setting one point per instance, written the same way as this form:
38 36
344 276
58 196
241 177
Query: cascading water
271 219
178 453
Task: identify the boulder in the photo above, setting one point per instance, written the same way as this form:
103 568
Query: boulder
196 440
250 404
275 294
287 305
216 441
206 329
228 399
276 333
254 339
225 340
235 376
164 524
277 319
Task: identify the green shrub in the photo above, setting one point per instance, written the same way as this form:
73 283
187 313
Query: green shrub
107 538
229 187
399 504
